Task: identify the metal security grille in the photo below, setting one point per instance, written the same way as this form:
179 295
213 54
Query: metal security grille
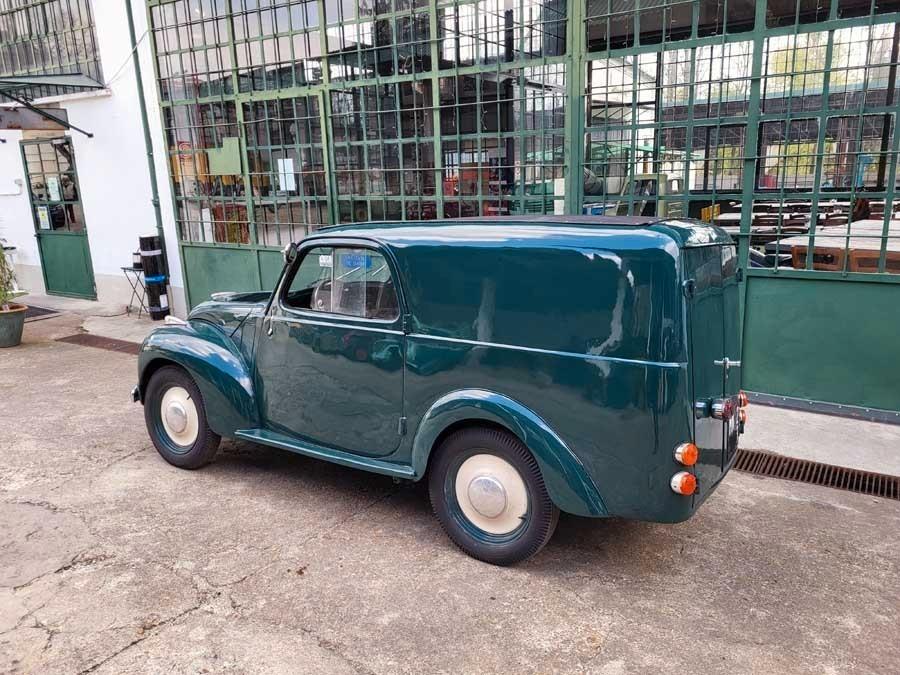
773 119
283 116
48 37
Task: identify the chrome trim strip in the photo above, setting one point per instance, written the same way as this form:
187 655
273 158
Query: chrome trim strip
329 324
551 352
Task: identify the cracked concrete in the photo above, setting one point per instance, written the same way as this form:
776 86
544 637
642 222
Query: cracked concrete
112 561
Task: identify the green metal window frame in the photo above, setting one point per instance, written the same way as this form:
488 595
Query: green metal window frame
48 37
716 84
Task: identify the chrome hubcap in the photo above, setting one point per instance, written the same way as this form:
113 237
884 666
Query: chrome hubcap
487 496
176 417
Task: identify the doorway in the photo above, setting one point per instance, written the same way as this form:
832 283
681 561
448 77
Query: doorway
59 217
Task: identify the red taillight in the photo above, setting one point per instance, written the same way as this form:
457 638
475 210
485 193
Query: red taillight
687 454
743 417
684 483
743 399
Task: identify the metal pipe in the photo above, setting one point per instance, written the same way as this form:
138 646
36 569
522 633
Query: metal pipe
148 140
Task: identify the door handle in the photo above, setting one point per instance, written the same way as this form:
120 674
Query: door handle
727 363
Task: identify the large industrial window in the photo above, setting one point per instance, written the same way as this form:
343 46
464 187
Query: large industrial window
50 37
776 120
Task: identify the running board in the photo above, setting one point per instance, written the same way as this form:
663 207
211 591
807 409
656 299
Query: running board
276 440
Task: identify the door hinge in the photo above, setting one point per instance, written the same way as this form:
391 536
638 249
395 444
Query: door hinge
405 323
688 288
401 426
740 274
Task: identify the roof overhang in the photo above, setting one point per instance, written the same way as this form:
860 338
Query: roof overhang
10 86
13 82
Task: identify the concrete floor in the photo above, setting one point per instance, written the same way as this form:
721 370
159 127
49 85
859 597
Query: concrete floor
858 444
112 561
852 443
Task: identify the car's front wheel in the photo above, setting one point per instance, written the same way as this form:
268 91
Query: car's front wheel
488 494
176 419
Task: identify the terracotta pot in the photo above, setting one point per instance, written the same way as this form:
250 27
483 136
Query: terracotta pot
12 322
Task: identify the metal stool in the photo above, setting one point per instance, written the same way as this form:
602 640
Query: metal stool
135 278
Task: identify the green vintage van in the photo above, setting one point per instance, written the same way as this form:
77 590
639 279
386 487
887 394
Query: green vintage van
522 366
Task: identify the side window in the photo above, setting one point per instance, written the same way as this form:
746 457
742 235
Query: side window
350 281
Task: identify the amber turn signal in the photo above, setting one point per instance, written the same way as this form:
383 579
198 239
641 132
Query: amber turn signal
743 399
684 483
743 412
687 454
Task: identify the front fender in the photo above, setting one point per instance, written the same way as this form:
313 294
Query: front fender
215 363
566 478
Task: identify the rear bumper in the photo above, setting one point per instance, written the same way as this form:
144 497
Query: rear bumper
705 491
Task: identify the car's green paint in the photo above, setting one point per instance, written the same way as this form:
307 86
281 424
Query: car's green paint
563 472
310 449
706 332
571 333
335 382
228 310
217 365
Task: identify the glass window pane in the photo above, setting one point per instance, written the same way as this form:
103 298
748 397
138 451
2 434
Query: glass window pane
350 281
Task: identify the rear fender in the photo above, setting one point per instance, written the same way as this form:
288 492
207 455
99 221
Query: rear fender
568 483
215 363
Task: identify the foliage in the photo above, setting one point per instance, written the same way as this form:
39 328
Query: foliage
7 277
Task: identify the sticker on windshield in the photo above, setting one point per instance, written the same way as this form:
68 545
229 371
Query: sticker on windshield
325 261
356 260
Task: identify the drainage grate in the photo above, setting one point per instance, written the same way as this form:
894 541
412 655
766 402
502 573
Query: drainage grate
34 313
778 466
111 344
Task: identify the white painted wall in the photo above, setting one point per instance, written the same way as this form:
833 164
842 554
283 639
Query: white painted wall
15 211
112 167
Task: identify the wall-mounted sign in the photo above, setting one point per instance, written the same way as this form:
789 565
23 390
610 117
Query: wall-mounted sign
44 217
53 191
206 219
287 181
28 120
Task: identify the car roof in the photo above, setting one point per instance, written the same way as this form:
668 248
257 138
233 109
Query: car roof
548 230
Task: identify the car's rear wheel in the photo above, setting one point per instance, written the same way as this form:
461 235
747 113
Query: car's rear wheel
487 492
176 419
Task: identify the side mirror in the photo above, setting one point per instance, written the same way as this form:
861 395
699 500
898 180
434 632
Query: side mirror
289 252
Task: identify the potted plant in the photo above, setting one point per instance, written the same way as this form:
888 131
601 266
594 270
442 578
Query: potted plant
12 315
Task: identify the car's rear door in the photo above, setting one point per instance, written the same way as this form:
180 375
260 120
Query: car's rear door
712 311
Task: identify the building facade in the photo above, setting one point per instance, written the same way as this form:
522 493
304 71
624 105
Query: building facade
74 205
271 118
284 116
776 119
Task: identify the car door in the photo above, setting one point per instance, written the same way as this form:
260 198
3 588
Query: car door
715 357
329 361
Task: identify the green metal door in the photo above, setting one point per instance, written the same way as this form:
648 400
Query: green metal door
59 217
